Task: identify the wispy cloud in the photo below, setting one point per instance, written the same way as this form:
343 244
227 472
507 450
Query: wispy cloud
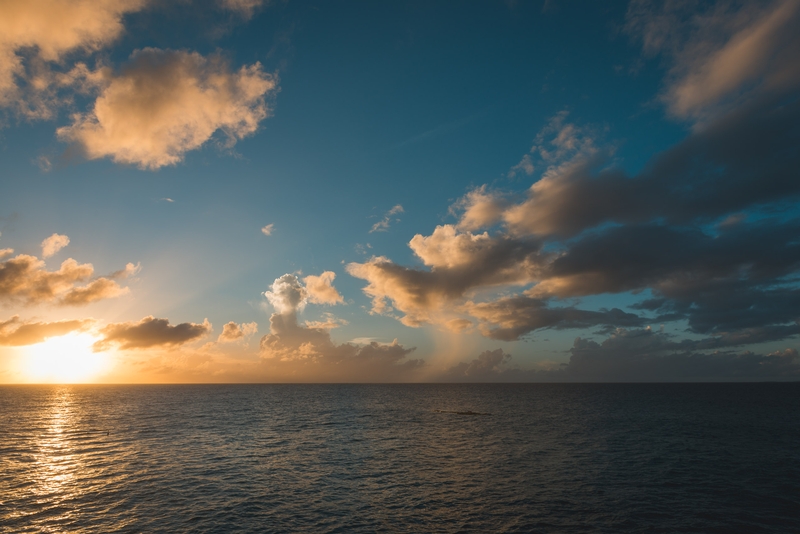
267 230
386 221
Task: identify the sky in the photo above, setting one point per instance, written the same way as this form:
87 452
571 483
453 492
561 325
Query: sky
488 191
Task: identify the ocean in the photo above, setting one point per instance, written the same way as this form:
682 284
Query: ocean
401 458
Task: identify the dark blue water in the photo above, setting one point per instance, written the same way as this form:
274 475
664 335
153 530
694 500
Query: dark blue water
342 458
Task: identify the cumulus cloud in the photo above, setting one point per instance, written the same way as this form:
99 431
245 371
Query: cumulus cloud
287 294
459 262
308 353
320 289
383 224
36 35
233 332
680 229
53 244
25 279
164 103
15 332
150 332
267 230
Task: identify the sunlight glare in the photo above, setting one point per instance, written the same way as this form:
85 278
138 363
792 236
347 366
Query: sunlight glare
65 359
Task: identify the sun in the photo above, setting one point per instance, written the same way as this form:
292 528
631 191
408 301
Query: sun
64 359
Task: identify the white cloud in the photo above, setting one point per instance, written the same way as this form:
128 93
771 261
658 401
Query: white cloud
267 230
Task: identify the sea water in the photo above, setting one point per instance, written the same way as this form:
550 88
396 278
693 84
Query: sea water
398 458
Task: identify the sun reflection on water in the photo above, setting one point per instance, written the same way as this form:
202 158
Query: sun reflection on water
55 462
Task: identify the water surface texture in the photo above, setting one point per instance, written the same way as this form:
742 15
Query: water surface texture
400 458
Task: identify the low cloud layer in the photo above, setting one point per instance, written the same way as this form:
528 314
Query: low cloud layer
16 333
164 103
641 355
150 332
308 353
234 332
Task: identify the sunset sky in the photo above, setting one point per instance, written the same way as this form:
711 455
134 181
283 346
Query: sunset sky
308 191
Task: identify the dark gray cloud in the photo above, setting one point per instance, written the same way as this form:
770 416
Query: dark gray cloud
309 354
646 355
508 319
641 355
150 332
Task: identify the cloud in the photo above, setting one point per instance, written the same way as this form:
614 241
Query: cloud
288 295
16 333
330 322
53 244
480 208
641 355
245 8
724 55
25 279
459 263
646 355
383 224
36 35
485 368
233 332
150 332
320 289
510 318
309 354
164 103
267 230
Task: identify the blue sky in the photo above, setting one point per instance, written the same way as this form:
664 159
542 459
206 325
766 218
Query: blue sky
618 157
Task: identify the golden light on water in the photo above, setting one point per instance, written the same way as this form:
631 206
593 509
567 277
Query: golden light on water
64 359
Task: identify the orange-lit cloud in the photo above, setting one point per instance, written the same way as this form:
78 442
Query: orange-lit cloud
460 262
150 332
25 279
245 8
36 34
233 332
15 332
320 289
53 244
723 56
164 103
